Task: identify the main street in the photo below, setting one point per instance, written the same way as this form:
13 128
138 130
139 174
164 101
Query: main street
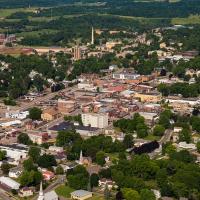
5 196
27 105
47 97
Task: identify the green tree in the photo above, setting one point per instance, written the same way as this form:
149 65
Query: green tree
94 180
78 178
161 176
163 88
34 153
23 138
122 155
100 158
147 194
59 170
130 194
159 130
198 146
26 178
183 156
128 141
65 138
46 161
2 155
142 130
164 121
29 165
35 113
5 167
168 148
185 135
37 178
30 178
195 122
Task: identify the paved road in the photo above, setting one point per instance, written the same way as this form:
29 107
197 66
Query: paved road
166 137
58 120
25 106
51 123
4 195
44 98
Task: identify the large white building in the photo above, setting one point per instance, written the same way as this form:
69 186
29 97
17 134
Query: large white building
96 120
17 152
9 183
17 115
125 76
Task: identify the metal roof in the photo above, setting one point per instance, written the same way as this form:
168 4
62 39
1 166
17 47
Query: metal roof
81 193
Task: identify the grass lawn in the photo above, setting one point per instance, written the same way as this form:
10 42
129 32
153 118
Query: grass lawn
96 197
36 33
7 12
152 137
113 156
64 191
193 19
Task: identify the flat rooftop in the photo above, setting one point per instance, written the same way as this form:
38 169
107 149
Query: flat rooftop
65 126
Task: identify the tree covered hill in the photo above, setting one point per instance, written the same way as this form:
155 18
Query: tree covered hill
156 9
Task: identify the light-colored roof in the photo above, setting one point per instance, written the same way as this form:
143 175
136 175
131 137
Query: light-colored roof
51 111
80 193
50 195
9 182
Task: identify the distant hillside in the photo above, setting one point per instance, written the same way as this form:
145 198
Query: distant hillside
135 8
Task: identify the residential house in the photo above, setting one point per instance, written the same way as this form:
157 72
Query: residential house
25 192
15 172
103 182
56 149
177 129
148 97
69 166
16 152
50 114
48 175
38 138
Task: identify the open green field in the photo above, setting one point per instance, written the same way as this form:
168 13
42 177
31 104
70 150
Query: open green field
171 1
36 33
7 12
193 19
152 137
97 197
64 191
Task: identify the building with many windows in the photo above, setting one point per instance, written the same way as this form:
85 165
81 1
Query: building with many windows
96 120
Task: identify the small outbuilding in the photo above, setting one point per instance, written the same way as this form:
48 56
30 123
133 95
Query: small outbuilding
81 195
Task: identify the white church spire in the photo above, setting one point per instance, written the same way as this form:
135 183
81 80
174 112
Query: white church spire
41 193
81 158
92 41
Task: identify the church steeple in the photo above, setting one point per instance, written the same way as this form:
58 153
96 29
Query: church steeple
81 158
41 193
92 41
